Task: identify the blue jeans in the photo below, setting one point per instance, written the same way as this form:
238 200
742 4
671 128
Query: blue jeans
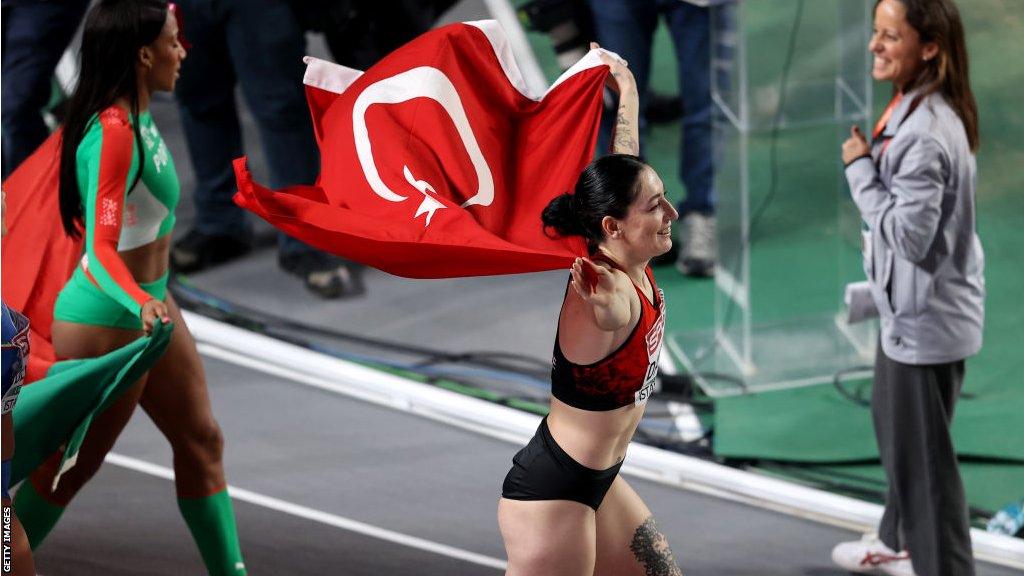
627 27
35 35
258 45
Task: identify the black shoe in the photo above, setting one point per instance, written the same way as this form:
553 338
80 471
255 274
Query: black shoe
198 251
327 276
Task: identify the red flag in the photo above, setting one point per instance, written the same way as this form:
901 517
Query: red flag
38 257
436 162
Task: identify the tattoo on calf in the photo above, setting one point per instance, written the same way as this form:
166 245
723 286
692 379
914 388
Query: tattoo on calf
650 548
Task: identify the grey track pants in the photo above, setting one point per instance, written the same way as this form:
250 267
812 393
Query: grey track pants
925 509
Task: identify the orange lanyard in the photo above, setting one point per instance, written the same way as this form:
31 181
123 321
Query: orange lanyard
887 114
884 119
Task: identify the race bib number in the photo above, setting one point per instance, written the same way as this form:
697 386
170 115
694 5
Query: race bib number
641 395
654 340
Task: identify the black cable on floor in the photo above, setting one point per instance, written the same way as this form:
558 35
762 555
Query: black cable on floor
855 397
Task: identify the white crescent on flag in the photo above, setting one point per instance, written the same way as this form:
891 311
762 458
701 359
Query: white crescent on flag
419 83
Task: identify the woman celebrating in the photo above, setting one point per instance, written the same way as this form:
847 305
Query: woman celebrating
118 187
914 186
564 509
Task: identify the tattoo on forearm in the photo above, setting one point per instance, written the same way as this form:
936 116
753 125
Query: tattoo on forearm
650 548
624 141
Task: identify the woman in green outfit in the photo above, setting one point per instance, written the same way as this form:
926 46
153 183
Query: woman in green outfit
119 188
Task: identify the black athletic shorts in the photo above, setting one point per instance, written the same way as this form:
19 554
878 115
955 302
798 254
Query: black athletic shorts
543 471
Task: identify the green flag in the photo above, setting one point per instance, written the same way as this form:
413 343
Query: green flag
58 409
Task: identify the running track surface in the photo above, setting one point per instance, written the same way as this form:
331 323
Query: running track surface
313 463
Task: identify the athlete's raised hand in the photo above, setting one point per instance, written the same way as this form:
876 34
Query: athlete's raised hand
599 287
153 311
626 136
621 77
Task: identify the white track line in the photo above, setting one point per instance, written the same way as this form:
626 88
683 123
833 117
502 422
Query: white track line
320 516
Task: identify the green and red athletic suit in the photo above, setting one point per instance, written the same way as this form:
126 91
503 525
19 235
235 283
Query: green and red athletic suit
102 291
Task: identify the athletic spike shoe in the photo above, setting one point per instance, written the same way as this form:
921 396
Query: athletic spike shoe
870 556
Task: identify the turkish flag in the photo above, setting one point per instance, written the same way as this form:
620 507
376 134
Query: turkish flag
38 257
437 161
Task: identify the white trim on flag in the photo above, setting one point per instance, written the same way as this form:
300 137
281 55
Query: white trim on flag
336 78
591 60
328 75
503 50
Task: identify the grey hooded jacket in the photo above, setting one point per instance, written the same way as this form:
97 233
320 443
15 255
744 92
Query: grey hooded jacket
923 258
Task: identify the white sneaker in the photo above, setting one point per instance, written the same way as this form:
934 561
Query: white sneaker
870 556
698 252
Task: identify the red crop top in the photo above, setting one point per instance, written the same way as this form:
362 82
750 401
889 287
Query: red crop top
624 377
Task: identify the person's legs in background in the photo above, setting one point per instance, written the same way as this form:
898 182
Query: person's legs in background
259 46
35 35
925 507
206 99
567 24
266 45
930 518
690 29
625 27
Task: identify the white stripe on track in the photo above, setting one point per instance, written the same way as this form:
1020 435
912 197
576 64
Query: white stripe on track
327 518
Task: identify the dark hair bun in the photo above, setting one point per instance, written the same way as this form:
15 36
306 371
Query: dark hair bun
606 187
560 215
